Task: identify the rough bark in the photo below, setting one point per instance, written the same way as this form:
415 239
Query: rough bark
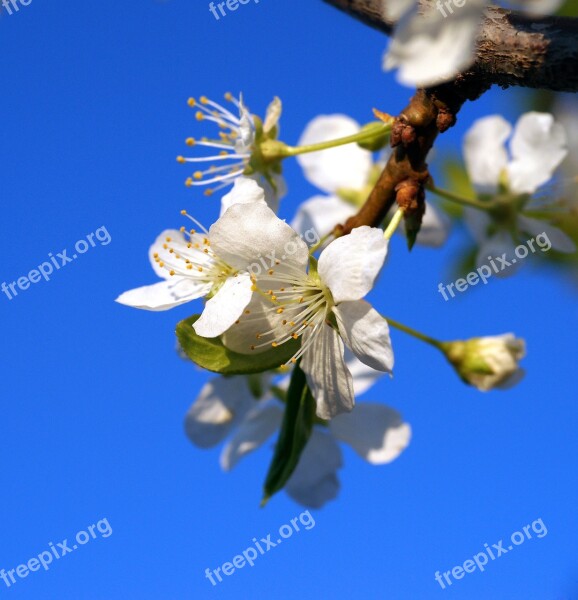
512 49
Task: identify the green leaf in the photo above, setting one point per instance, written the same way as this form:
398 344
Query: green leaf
295 432
211 354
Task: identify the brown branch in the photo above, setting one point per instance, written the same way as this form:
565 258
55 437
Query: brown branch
511 50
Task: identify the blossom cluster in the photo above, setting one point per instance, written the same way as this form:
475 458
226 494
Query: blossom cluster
295 341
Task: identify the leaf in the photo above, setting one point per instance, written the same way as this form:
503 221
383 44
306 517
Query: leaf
295 432
211 354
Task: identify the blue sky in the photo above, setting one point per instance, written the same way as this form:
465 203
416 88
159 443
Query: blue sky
92 114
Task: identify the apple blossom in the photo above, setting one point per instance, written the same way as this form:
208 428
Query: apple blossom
322 306
225 408
238 147
508 179
192 268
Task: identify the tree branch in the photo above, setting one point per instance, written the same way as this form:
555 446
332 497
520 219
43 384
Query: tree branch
512 49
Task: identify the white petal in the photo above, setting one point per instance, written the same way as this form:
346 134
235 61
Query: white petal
485 151
244 191
366 333
329 380
376 432
225 307
274 191
364 376
346 166
158 247
539 7
393 10
319 215
429 48
496 246
350 264
273 115
435 227
560 241
257 427
165 294
256 319
220 406
247 233
314 481
538 147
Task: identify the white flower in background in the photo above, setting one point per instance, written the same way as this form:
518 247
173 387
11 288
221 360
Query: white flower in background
191 268
433 43
225 407
347 174
322 306
537 147
488 362
237 148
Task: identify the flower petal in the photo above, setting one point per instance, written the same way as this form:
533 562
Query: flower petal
257 427
225 307
538 7
321 214
499 245
221 405
366 333
346 166
247 233
314 481
158 248
165 294
327 376
393 10
485 151
244 191
273 114
376 432
435 227
350 264
560 241
257 318
430 47
364 376
538 147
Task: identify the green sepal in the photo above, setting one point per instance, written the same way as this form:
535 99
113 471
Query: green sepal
211 354
295 432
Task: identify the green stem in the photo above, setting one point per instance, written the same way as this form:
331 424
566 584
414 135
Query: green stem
361 136
393 224
320 243
416 334
459 199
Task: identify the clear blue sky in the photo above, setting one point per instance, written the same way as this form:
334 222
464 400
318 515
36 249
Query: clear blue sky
92 114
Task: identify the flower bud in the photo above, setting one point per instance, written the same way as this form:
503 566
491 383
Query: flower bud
487 362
